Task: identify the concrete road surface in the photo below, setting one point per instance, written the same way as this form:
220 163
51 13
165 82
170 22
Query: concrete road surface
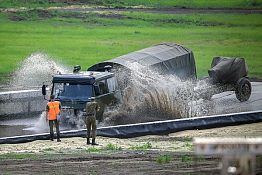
227 102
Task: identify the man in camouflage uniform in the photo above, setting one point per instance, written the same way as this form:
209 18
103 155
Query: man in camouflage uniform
91 110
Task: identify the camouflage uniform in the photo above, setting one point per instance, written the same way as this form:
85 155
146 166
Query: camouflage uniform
91 110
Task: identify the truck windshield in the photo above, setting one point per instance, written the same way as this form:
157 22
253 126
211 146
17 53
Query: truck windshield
69 91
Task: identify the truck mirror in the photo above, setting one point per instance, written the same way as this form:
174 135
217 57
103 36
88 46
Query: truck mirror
44 89
77 68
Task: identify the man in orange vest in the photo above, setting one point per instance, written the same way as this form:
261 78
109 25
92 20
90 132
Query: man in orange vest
52 111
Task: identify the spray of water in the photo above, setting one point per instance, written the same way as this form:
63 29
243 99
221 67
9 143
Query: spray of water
150 96
35 70
40 125
147 95
71 121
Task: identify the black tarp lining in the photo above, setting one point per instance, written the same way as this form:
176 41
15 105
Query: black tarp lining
152 128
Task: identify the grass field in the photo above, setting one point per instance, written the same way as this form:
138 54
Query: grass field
73 38
141 3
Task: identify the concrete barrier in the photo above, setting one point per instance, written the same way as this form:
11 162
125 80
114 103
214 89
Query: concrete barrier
21 103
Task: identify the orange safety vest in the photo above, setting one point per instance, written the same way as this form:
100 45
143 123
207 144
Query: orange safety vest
54 110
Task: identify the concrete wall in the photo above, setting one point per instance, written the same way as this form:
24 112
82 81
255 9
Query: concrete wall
24 102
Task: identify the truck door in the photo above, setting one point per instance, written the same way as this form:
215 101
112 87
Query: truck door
103 95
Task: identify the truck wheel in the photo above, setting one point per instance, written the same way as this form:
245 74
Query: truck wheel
243 89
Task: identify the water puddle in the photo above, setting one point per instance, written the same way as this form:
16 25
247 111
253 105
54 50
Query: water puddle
26 126
17 127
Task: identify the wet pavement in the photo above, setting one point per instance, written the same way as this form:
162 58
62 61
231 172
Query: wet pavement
223 103
226 102
17 127
25 126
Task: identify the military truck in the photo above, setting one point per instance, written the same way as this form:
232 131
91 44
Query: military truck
101 80
74 90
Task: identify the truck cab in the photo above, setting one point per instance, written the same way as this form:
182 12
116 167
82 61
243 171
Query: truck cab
74 90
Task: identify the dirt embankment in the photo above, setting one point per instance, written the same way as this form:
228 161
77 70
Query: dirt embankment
165 10
168 10
169 154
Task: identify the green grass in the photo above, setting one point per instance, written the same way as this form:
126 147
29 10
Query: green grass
186 158
108 147
162 159
28 3
144 146
93 150
113 147
145 3
17 156
86 39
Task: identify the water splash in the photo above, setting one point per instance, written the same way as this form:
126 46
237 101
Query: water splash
31 74
40 124
149 96
71 121
35 70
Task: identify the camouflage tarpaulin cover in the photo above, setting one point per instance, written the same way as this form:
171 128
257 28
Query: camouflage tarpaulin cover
227 70
166 58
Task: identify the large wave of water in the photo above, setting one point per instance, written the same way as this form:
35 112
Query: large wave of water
150 96
34 70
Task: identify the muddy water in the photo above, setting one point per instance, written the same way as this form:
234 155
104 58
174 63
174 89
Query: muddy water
149 96
18 127
14 130
26 126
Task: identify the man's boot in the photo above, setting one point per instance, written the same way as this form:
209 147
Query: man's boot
51 137
88 141
58 140
94 142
